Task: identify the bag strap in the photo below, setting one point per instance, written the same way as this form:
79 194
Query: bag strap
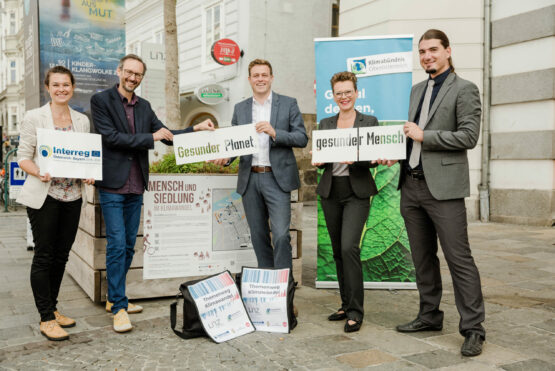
173 318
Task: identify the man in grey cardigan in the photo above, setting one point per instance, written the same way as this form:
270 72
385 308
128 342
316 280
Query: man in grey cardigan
444 122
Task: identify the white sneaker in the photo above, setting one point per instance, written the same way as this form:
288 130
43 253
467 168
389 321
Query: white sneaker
122 322
131 308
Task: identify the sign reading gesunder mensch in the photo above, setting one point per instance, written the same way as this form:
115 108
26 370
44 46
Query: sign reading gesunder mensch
359 144
211 145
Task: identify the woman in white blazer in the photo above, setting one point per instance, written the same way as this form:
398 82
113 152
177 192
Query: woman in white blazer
53 204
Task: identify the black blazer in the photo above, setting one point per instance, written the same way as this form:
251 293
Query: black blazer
362 183
119 145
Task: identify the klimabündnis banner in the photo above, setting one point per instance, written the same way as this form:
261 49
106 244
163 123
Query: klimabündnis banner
383 65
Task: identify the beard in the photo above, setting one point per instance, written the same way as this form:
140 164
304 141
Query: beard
431 71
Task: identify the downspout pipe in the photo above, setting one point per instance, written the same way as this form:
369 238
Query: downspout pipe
484 185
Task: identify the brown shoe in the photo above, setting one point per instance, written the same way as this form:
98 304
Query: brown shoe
53 331
295 311
64 321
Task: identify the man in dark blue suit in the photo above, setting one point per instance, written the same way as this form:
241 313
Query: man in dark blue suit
266 179
129 128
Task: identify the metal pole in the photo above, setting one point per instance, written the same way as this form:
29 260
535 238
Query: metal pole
6 182
484 185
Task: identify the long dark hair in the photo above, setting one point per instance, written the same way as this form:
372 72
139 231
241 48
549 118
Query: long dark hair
443 39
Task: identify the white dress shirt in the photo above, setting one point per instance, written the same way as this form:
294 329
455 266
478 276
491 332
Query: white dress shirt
262 112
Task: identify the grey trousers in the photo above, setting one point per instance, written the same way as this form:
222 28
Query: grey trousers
345 216
426 220
265 200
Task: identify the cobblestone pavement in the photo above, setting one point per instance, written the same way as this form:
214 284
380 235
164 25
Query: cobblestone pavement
517 266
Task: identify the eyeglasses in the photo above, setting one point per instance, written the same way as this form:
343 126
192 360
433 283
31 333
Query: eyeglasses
347 93
129 73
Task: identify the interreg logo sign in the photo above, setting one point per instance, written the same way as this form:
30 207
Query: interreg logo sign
45 151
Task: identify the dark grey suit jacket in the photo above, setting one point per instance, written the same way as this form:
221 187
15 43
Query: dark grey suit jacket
453 127
362 183
288 123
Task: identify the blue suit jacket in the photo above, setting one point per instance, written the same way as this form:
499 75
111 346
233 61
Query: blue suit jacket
119 145
288 123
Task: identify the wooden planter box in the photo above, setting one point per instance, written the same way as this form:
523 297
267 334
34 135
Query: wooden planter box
87 259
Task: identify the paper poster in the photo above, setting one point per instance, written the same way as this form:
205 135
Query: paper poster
194 225
69 155
211 145
220 308
264 293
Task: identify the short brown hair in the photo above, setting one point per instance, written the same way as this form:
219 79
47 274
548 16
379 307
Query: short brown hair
443 39
258 62
132 56
343 76
58 69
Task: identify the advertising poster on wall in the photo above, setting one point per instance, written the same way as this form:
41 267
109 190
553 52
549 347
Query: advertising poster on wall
88 37
194 225
383 66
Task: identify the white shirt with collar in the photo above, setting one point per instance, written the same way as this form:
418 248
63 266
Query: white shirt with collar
262 112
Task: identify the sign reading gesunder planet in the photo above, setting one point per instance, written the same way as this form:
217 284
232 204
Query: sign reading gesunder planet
211 145
359 144
70 155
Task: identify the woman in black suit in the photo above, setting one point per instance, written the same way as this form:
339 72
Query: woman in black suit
345 189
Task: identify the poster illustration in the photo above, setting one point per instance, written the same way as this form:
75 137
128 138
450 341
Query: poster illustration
194 225
88 38
220 308
383 65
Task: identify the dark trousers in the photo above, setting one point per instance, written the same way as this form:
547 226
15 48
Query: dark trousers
426 220
54 227
345 216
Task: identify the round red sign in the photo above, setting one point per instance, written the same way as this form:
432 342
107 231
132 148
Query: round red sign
226 52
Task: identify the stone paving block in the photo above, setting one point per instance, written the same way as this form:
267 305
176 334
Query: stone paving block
365 358
436 359
529 365
492 354
548 325
528 340
521 316
394 342
15 332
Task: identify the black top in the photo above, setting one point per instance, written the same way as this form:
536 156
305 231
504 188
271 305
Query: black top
439 79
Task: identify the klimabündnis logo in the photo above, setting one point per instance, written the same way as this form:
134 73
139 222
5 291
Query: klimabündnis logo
45 151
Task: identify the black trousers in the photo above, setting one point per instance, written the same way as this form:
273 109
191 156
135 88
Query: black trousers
426 220
54 227
345 216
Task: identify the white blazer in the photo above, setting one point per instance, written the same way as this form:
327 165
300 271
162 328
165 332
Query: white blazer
34 192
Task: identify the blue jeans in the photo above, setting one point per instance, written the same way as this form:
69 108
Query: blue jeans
122 215
264 199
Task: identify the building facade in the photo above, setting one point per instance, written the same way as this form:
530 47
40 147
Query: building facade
12 100
507 48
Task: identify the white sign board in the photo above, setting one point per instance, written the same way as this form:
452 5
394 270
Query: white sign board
211 145
359 144
69 155
194 225
220 308
264 293
335 145
382 142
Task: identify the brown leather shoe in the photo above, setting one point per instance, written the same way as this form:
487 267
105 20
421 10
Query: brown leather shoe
64 321
53 331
